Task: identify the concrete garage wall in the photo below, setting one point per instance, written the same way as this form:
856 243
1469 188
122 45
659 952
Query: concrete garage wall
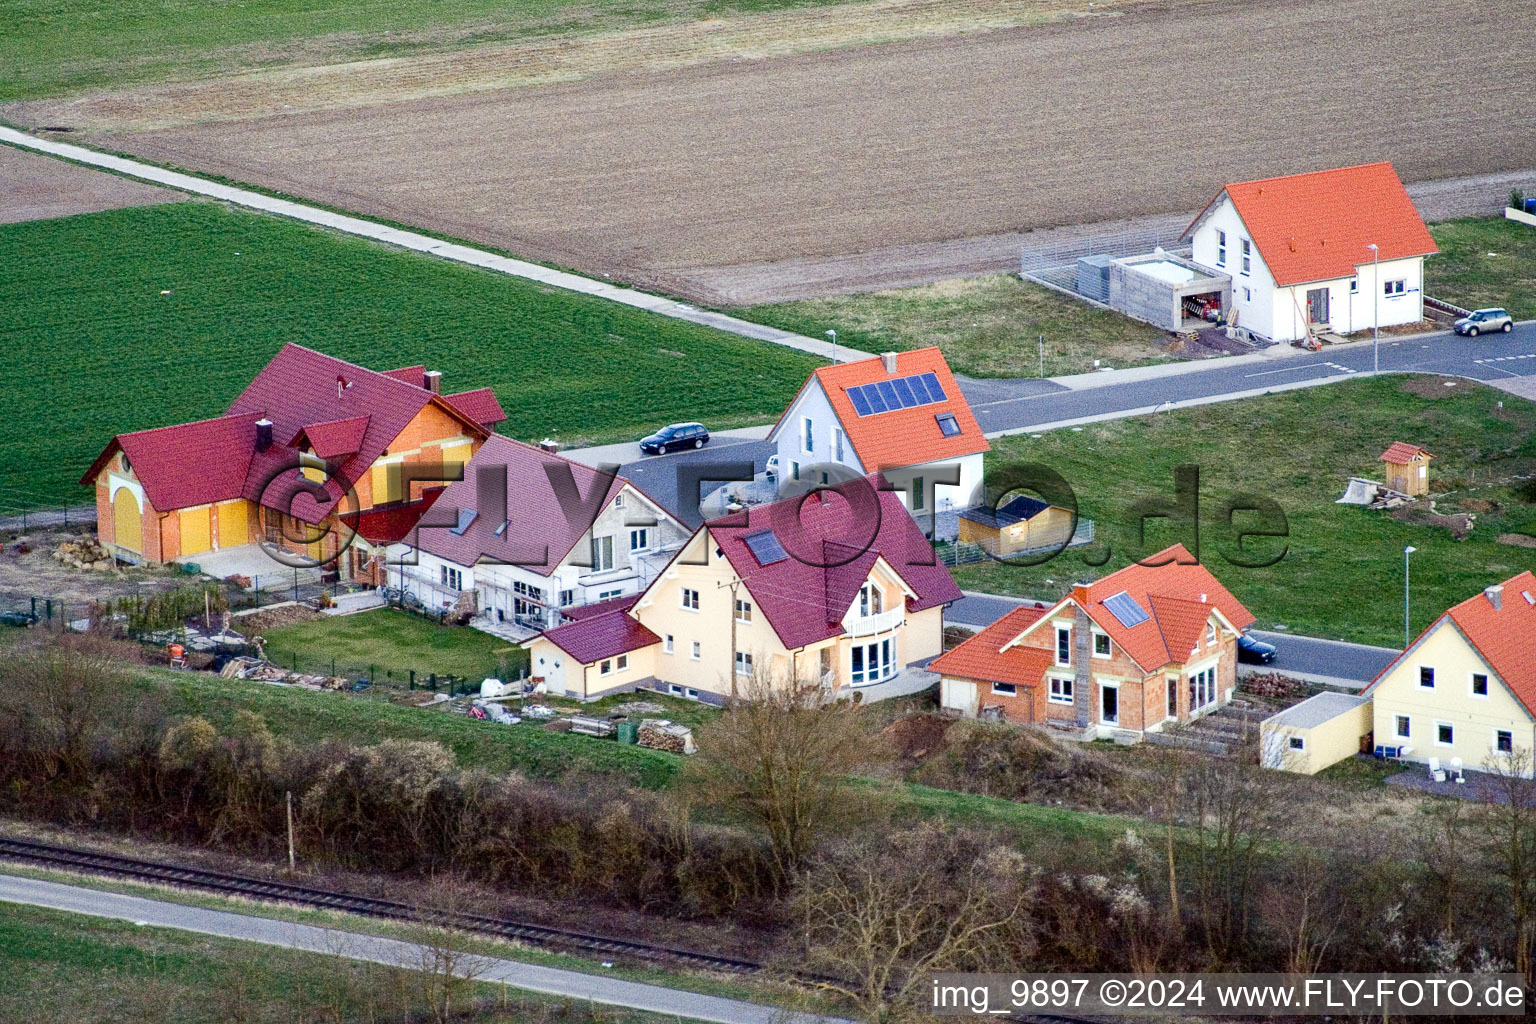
1159 302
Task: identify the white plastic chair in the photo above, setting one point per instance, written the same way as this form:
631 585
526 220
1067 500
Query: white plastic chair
1456 772
1435 771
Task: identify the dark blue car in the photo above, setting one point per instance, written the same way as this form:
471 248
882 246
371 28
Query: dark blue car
678 435
1255 652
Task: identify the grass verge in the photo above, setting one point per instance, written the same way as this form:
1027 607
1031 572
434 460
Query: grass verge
1341 574
986 326
1484 261
385 640
143 317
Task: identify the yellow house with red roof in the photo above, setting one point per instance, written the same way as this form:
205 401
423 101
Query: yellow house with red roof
1153 643
901 415
1466 688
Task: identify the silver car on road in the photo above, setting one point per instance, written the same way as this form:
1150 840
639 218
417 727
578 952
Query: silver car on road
1484 321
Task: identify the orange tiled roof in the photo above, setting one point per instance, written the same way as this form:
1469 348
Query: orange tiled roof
1178 598
983 656
905 437
1401 453
1502 636
1315 227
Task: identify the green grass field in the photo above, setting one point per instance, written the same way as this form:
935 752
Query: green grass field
143 317
1484 262
987 326
386 640
1342 575
53 47
68 967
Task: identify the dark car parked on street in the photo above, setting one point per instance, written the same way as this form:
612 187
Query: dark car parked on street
1255 652
678 435
1485 321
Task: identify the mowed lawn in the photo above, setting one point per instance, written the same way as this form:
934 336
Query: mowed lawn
1484 262
986 326
53 47
144 317
394 642
1342 572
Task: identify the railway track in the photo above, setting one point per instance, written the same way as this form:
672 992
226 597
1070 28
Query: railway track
96 863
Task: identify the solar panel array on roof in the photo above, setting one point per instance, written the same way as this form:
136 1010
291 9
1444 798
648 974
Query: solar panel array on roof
765 547
1124 607
899 393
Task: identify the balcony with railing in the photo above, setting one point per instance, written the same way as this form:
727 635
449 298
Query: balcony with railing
855 624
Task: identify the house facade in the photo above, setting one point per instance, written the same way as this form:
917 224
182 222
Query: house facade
530 535
1466 688
901 415
1151 644
310 444
783 591
1298 251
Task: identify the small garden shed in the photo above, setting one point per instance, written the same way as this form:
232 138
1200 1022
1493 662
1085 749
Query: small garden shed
1023 524
1320 731
1407 468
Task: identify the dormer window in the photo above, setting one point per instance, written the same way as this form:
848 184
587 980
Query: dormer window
870 601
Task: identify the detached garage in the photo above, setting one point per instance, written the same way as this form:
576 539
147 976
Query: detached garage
1316 733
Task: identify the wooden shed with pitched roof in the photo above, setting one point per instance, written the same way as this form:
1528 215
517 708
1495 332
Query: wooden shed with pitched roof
1407 468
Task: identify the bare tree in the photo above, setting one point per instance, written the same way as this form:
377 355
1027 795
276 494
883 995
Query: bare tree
1443 849
443 972
1507 828
783 755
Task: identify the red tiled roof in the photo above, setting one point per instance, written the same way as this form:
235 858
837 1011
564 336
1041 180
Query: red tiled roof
1315 227
479 405
188 464
413 375
1401 453
613 604
601 636
328 440
983 656
541 527
905 437
1502 636
1178 596
393 523
805 602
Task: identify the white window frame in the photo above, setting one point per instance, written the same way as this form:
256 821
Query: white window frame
1487 686
1493 744
621 663
1247 248
1109 648
674 689
1395 287
838 438
691 693
609 595
696 652
1247 294
453 577
1210 634
1062 689
606 667
643 535
744 611
1109 686
669 645
807 435
1354 286
602 553
744 663
1005 689
1297 743
684 601
1402 727
618 500
1439 724
794 470
1420 676
1221 248
1056 644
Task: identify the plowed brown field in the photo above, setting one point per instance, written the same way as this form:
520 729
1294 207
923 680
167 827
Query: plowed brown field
37 187
665 178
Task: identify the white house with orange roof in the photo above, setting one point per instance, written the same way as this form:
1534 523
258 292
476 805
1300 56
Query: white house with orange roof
900 414
1155 642
1466 688
1338 251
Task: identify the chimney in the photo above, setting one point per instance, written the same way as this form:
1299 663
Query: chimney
1080 593
432 380
1495 596
263 434
888 360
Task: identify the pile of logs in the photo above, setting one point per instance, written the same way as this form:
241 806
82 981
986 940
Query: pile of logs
1272 684
660 734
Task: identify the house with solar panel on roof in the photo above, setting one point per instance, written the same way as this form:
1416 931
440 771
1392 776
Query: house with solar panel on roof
841 590
900 415
1152 644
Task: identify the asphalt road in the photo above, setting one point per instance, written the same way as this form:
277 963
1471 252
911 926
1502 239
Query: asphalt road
1335 662
356 946
669 478
1015 406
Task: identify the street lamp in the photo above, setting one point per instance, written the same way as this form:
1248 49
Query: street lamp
1410 549
833 336
1375 308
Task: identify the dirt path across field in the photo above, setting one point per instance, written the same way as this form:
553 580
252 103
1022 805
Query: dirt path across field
35 187
661 179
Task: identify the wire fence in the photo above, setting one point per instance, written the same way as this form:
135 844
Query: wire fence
19 514
1057 264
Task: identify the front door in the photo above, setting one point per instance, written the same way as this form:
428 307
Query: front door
1109 704
1317 306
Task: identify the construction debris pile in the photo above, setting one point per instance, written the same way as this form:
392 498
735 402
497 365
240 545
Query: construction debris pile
660 734
266 672
83 554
